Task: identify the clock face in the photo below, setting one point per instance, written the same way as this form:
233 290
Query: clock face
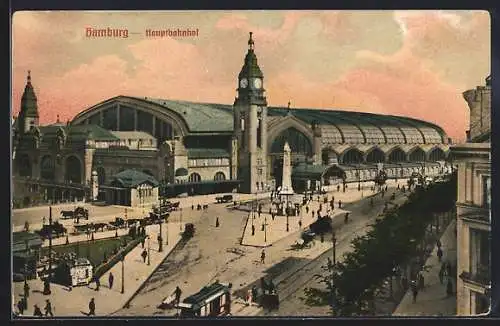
257 83
243 83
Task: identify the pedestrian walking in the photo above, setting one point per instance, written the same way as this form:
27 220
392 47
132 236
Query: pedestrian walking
438 243
404 282
97 283
254 294
44 220
144 255
26 289
307 209
421 280
338 188
217 221
312 214
249 297
414 290
111 279
398 186
300 224
449 288
91 307
177 293
48 308
37 312
262 257
20 306
441 274
340 203
440 254
253 229
346 218
143 241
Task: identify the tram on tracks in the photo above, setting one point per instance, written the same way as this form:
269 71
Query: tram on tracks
211 301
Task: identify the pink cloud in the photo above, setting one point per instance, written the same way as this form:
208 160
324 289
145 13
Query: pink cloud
409 82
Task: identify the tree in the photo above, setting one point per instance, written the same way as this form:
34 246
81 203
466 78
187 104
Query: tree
391 241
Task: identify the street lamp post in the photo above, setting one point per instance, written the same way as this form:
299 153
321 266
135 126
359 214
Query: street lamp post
149 250
123 273
160 238
265 228
47 289
166 235
334 241
359 180
180 220
287 228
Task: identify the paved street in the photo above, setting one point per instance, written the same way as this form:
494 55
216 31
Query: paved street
292 289
216 253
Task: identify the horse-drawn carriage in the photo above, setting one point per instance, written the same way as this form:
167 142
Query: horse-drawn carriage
78 212
224 199
55 230
306 240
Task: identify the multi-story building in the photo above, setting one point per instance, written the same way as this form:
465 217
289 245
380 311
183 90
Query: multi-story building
474 206
206 147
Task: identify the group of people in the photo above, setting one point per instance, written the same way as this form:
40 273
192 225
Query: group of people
446 273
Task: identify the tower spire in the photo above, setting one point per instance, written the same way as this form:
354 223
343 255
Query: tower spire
250 42
29 77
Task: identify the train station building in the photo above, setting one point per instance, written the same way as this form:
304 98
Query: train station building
196 148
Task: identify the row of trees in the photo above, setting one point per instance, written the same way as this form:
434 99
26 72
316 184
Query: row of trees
352 284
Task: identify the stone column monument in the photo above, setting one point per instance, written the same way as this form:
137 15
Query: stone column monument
95 186
286 183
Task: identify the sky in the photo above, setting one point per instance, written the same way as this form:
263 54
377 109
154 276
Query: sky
407 63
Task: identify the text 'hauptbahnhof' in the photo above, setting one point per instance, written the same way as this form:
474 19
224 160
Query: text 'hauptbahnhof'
188 147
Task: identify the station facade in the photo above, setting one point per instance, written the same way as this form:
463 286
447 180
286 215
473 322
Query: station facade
206 147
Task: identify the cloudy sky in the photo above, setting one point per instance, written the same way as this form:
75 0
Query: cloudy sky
409 63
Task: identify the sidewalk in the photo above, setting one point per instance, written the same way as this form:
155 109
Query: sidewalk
75 302
432 300
276 229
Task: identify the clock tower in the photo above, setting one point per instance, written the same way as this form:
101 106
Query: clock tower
250 122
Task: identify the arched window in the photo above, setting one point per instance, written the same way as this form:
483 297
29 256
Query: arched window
220 176
352 156
397 155
418 155
47 168
194 177
437 154
73 170
24 165
298 142
375 156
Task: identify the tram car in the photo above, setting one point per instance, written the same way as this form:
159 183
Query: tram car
211 301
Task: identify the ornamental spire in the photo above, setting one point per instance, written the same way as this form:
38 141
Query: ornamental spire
29 77
250 42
